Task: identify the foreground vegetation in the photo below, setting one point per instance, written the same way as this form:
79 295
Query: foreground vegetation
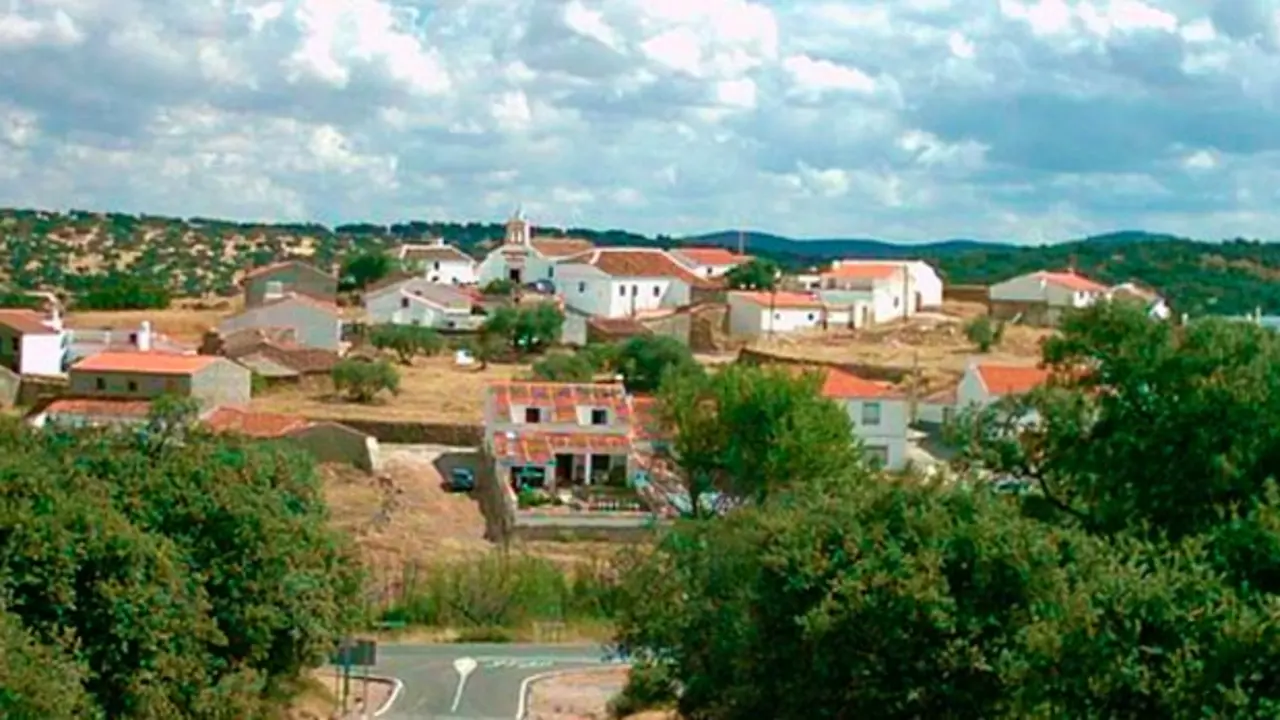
162 574
1138 579
117 261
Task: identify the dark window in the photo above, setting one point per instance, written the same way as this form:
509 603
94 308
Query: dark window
657 291
622 290
435 265
635 290
582 287
133 386
404 302
100 383
810 317
599 417
533 415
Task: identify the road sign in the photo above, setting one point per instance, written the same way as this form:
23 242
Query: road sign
355 652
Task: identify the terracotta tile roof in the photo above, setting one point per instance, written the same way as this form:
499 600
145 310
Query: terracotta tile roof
99 407
552 247
863 271
715 256
25 322
433 253
780 299
152 363
563 399
641 263
646 425
843 384
1071 281
530 448
253 423
1010 379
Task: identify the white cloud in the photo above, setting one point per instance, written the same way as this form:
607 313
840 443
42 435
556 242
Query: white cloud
1027 119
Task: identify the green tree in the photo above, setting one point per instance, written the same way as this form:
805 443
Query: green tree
984 332
755 274
39 681
362 380
747 432
644 360
525 329
500 287
406 341
365 268
564 367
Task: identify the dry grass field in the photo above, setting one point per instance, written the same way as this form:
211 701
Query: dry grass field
185 321
431 390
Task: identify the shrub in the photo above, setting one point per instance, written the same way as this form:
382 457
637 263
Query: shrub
362 380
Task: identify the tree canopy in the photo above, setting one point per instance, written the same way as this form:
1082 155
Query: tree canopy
1138 579
755 274
147 579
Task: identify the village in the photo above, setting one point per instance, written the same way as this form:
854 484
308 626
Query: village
888 339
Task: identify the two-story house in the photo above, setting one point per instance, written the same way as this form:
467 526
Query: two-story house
709 262
417 301
438 262
868 293
626 282
551 435
273 282
523 258
32 343
879 413
118 387
1041 298
315 323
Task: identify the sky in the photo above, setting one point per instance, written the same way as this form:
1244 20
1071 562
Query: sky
907 120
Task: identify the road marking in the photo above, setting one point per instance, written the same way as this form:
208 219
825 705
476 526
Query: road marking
464 666
397 687
523 701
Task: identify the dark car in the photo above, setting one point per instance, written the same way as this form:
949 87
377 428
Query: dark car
462 480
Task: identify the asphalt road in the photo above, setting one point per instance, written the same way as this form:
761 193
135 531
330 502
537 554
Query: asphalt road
491 691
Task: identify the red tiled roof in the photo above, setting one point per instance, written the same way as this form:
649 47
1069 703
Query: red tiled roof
99 407
254 424
25 322
1010 379
154 363
779 299
843 384
646 425
563 398
710 255
540 448
640 262
863 271
1071 281
554 247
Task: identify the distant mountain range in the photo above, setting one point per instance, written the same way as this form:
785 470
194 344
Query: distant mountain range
819 249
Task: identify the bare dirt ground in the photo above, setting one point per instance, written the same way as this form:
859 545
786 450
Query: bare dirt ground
582 696
185 321
320 700
431 390
933 342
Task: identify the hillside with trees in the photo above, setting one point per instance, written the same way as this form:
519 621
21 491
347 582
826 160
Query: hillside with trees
1136 576
115 260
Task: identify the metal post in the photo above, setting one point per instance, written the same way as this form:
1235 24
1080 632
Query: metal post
365 704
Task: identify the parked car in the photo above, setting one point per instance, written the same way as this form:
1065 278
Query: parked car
462 480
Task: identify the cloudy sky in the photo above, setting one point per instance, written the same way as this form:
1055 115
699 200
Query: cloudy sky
997 119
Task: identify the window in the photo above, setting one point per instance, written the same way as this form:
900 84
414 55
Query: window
274 287
551 272
404 302
657 291
810 317
599 416
635 290
533 415
100 383
870 413
777 316
133 386
582 287
435 265
897 301
877 454
622 290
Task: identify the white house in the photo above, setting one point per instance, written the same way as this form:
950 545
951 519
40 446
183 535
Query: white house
625 282
83 343
710 262
923 279
878 412
416 301
938 407
985 383
523 258
315 323
754 313
888 287
1149 299
32 343
438 262
1042 297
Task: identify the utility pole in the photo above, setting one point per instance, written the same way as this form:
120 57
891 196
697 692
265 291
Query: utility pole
742 241
906 294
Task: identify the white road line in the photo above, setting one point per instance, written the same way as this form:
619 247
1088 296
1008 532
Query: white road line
523 701
397 687
464 666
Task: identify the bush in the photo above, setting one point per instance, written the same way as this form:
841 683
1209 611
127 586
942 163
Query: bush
406 341
984 332
362 380
122 292
564 367
650 686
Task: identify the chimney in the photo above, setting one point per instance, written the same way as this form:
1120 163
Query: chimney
144 336
55 318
